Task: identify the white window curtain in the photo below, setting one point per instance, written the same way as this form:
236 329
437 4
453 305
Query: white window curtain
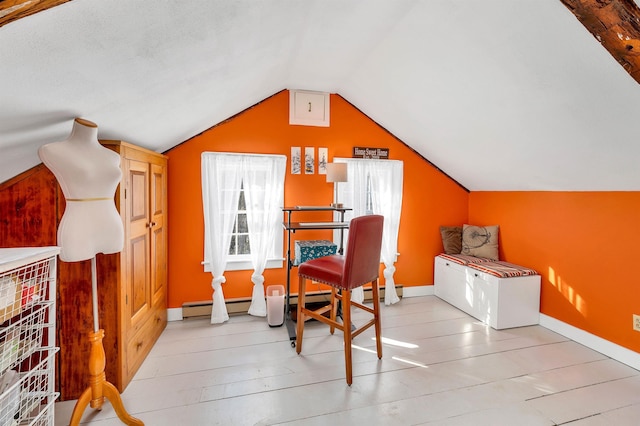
375 187
263 178
221 178
222 175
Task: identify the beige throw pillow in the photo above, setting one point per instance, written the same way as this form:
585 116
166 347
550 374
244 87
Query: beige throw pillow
480 241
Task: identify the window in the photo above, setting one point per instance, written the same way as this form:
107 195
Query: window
243 195
240 244
369 199
375 186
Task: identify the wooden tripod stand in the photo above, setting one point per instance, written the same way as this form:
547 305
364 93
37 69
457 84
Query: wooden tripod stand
99 387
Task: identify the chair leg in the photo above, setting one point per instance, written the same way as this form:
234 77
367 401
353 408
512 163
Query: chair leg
302 287
334 308
375 293
346 325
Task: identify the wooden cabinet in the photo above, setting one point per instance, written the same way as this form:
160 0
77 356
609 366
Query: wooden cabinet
131 285
141 311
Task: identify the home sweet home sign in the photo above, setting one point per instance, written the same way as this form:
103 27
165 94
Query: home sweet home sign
373 153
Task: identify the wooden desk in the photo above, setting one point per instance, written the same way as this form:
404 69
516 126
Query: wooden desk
292 227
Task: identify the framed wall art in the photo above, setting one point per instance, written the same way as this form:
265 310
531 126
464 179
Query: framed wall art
309 160
323 159
296 160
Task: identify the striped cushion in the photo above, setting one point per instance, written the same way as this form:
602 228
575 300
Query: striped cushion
464 259
502 269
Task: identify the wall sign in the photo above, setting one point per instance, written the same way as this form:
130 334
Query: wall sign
373 153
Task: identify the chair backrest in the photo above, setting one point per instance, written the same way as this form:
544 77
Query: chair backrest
362 260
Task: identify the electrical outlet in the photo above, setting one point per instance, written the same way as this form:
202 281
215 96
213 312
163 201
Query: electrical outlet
636 322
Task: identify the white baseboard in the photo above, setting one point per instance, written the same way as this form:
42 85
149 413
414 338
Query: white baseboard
423 290
204 307
612 350
174 314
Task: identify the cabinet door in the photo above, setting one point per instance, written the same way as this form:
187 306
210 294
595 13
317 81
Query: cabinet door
450 283
485 296
137 287
158 206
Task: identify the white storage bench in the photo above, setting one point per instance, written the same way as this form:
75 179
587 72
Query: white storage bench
500 294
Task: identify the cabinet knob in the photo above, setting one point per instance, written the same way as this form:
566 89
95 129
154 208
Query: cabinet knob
138 345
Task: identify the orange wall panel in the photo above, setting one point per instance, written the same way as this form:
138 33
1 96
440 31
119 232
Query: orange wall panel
430 198
584 244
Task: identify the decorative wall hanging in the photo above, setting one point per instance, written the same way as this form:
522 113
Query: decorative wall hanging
323 155
309 160
296 161
374 153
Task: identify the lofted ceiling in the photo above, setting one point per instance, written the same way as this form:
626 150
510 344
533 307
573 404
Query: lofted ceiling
499 94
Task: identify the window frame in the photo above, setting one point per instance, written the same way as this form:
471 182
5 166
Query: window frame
242 262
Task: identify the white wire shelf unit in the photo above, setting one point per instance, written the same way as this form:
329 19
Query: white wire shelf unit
27 335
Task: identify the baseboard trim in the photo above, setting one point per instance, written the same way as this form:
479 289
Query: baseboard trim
605 347
241 305
174 314
417 291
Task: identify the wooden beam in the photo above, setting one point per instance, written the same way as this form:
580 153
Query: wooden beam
616 25
11 10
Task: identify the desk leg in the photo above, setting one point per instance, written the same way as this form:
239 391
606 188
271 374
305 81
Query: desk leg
341 250
291 327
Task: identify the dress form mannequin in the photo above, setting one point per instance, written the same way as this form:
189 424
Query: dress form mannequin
88 174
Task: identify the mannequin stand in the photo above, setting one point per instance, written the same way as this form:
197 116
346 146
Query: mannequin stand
99 387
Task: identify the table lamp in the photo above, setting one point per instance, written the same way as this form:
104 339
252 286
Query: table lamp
336 172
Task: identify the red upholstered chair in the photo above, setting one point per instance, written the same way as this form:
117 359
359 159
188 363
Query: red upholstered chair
360 265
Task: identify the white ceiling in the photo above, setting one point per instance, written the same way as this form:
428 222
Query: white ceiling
499 94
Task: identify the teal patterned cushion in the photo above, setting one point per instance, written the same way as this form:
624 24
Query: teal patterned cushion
312 249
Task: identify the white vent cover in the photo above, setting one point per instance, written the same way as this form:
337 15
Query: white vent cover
308 108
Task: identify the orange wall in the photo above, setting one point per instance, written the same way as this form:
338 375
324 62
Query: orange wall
584 244
430 198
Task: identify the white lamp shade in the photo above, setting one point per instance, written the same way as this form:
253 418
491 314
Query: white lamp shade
336 172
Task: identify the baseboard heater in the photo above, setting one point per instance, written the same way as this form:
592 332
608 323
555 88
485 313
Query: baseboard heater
241 305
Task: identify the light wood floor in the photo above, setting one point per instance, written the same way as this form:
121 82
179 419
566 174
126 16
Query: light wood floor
439 367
